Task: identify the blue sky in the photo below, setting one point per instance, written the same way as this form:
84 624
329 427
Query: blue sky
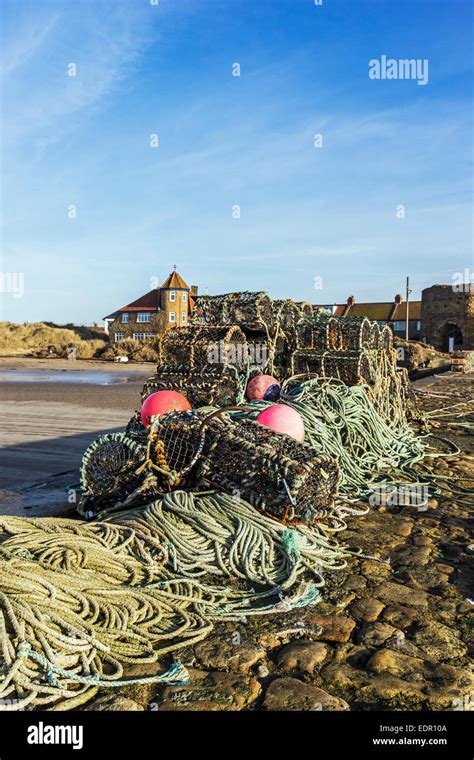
305 212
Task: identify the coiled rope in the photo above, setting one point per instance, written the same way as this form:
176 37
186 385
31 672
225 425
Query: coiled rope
79 602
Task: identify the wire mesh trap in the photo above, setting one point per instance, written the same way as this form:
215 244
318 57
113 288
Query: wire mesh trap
201 345
175 442
109 470
250 310
276 474
214 385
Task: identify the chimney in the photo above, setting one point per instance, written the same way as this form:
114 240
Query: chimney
396 303
194 290
349 304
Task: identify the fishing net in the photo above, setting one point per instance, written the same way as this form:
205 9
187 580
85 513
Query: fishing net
273 472
213 385
306 309
342 421
199 346
386 339
251 311
355 333
109 470
352 367
320 332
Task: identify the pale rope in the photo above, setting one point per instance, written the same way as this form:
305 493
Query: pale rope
79 601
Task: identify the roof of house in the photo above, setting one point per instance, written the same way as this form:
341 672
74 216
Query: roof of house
381 311
174 280
151 300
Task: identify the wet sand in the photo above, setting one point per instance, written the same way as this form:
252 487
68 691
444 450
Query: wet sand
46 426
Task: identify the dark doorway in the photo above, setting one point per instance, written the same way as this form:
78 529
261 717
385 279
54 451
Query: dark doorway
452 337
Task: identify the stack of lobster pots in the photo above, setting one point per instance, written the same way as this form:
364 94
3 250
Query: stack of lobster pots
228 336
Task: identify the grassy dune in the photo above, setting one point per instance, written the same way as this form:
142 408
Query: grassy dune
36 337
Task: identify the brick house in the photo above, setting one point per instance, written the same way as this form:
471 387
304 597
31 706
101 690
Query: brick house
158 310
392 313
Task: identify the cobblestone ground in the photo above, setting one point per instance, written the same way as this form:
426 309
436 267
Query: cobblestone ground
391 634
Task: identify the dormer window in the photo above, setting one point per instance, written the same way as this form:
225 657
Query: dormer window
172 295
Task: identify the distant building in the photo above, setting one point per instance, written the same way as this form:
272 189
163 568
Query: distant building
448 316
392 313
158 310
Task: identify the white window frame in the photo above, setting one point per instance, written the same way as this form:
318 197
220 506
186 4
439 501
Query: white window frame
184 297
399 325
142 336
119 337
144 317
172 296
183 317
172 317
125 318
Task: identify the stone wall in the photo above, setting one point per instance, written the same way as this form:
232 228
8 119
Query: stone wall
442 311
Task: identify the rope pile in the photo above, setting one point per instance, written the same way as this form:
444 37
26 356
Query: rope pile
79 602
341 421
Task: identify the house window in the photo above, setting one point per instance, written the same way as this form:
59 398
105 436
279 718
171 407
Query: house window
124 318
172 295
119 336
183 317
142 336
418 325
172 316
143 316
399 326
184 297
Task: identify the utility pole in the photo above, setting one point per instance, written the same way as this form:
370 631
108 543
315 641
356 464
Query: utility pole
407 310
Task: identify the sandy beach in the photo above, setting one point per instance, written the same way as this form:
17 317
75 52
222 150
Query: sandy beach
47 424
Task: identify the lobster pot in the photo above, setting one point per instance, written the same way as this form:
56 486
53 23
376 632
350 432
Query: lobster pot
307 362
386 339
109 470
287 314
200 345
306 309
250 311
253 311
203 386
355 333
176 345
211 310
374 335
276 474
320 332
352 367
226 345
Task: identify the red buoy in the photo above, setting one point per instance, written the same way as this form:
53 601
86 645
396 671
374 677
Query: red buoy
283 419
163 402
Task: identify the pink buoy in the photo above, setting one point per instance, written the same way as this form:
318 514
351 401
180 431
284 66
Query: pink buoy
263 387
163 402
283 419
